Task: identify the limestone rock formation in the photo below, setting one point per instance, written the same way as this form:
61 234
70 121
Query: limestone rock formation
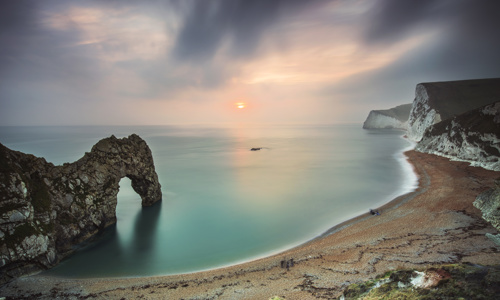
438 101
488 203
45 210
396 117
473 137
455 119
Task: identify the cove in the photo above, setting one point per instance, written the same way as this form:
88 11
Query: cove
224 204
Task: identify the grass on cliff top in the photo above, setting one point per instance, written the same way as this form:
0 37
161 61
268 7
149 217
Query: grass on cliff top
466 281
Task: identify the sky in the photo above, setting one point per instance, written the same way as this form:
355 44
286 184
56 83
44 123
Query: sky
156 62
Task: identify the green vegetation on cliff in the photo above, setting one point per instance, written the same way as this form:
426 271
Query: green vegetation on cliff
457 281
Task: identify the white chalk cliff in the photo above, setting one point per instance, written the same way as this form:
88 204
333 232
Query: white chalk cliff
438 101
455 119
396 117
473 137
460 120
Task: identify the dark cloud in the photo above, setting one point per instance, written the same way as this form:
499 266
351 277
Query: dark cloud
239 25
474 24
465 45
17 16
468 45
394 20
391 20
43 80
18 28
53 68
31 53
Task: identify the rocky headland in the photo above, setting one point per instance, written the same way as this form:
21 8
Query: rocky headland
473 136
438 101
459 120
45 210
393 118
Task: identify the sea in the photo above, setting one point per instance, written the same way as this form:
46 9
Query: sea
222 203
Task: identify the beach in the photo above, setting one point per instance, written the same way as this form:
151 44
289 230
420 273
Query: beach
436 224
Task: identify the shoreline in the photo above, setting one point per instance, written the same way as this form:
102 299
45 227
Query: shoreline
409 187
434 224
421 185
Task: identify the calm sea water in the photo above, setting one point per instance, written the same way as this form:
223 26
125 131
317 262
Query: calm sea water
223 204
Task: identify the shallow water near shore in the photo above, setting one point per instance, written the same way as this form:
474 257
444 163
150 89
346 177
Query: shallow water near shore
222 203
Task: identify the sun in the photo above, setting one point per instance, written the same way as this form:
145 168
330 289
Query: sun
241 105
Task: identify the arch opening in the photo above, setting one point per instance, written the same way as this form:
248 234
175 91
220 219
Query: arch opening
128 206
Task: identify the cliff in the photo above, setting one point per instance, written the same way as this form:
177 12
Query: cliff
396 117
438 101
488 203
472 137
45 210
455 119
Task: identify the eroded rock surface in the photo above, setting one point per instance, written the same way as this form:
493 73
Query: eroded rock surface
45 210
459 120
473 137
488 203
438 101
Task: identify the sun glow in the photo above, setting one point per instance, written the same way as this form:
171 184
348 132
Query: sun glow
240 105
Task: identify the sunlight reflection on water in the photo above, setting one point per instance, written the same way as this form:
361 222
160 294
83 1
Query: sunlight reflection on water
223 203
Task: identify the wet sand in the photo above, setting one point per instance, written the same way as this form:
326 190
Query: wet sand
436 224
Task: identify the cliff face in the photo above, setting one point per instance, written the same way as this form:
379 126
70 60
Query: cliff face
488 203
396 117
45 210
473 137
438 101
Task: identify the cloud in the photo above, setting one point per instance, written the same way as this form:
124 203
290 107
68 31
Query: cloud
459 41
392 20
461 21
235 27
34 54
18 31
319 57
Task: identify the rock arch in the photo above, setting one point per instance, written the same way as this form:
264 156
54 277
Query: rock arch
46 210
